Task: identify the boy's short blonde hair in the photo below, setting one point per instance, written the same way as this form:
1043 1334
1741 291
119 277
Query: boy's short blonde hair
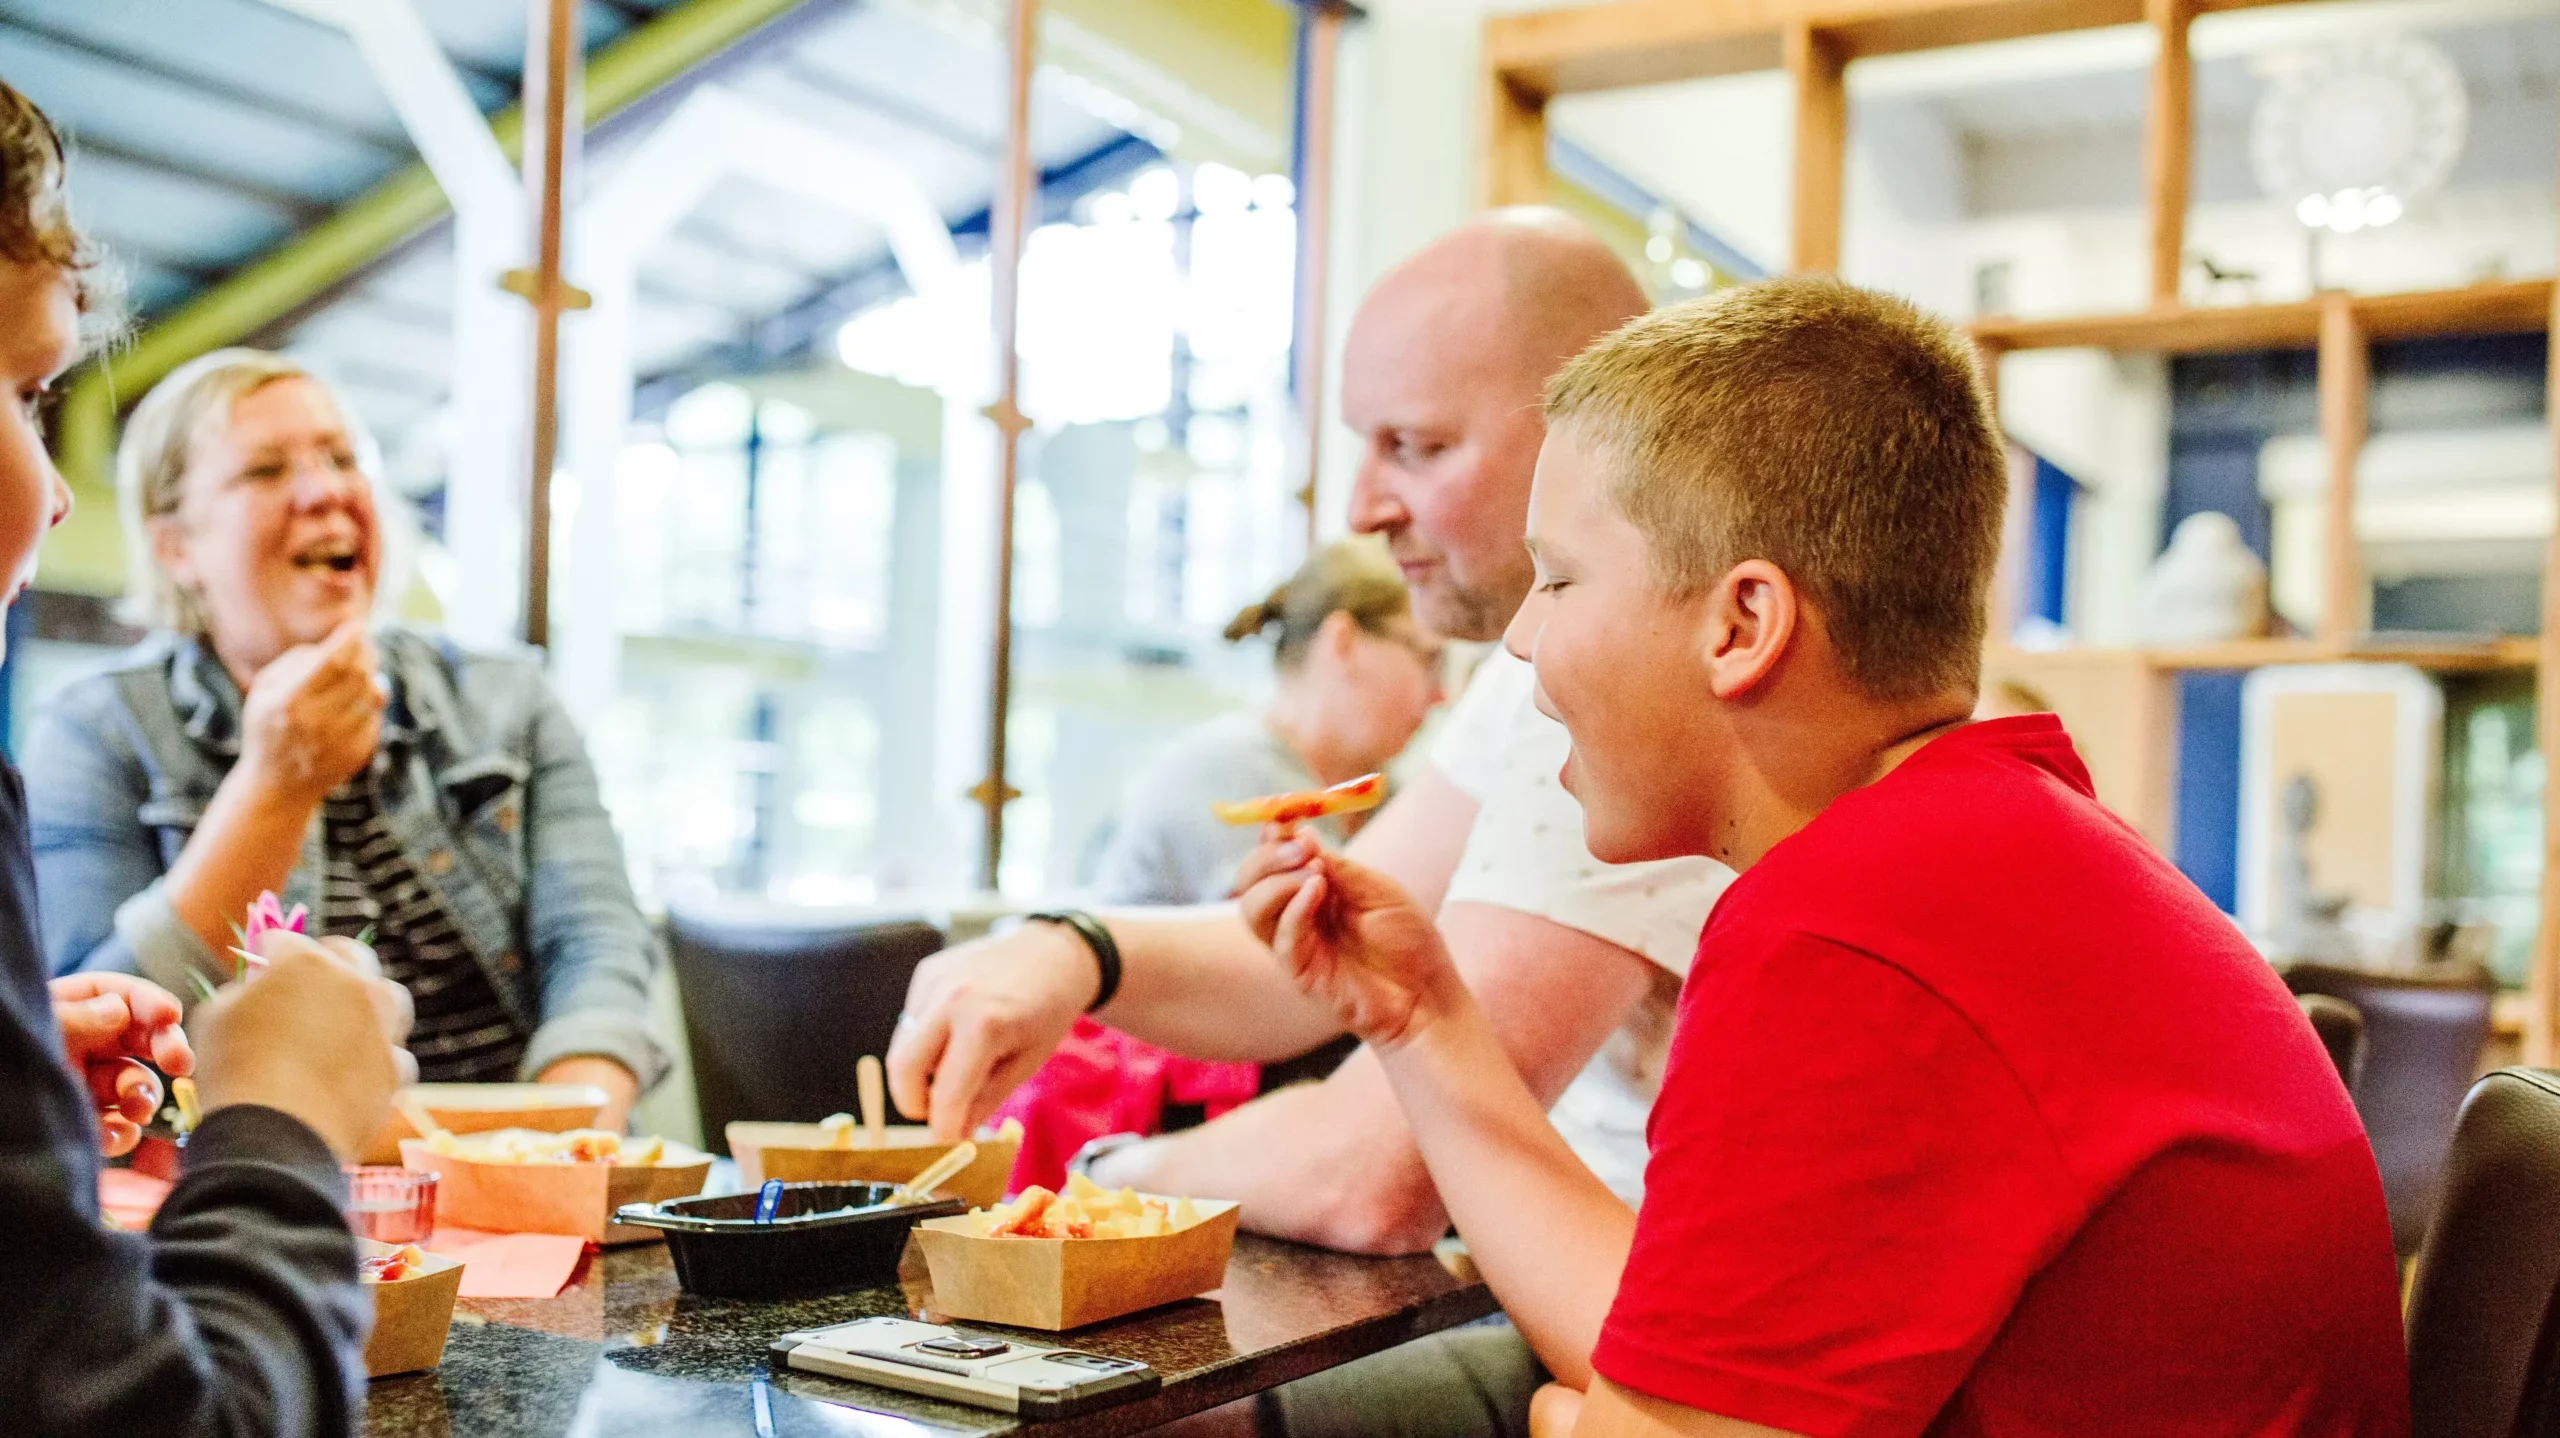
1837 433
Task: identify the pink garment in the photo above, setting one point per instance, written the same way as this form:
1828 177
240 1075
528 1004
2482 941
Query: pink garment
1101 1081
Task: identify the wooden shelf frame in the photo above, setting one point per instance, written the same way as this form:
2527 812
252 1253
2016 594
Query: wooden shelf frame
2505 307
1532 57
2451 657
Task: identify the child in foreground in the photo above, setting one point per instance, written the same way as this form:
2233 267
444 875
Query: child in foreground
239 1313
1979 1118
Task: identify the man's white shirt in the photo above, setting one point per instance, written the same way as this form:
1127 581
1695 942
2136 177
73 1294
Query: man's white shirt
1526 853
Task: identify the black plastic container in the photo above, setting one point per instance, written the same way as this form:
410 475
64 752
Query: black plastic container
824 1237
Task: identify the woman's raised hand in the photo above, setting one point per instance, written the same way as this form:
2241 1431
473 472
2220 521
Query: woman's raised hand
313 716
1350 937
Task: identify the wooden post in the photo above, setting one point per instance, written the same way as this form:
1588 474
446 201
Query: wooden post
1822 142
2167 136
1010 227
552 56
2343 371
1319 50
2542 983
1515 153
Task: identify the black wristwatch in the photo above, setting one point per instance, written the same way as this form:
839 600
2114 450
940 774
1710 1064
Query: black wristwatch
1106 950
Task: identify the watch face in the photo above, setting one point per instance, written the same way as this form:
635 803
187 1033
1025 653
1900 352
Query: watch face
958 1346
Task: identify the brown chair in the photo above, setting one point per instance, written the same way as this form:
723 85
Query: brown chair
2341 1030
2484 1340
778 1006
2424 1030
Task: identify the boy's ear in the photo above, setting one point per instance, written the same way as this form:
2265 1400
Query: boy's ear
1751 619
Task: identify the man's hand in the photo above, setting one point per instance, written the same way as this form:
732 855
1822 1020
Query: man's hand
621 1087
109 1023
314 1034
983 1017
313 717
1349 936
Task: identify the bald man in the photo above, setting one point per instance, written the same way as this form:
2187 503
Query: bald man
1575 961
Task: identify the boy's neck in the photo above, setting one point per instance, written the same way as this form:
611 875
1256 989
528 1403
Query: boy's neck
1795 769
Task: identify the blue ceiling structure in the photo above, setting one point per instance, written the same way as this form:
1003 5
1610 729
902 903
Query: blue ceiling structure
205 133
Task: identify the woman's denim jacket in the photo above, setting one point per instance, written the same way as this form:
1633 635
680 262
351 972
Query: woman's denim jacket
483 779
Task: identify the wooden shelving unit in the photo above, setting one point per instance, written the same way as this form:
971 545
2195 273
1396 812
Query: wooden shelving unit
1532 57
2451 657
2519 307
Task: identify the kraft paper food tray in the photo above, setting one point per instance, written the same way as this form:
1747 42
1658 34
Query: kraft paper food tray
796 1153
480 1107
1060 1283
411 1316
578 1198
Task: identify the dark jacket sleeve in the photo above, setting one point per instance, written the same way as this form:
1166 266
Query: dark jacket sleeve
239 1314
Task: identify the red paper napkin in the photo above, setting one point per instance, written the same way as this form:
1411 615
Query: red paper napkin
510 1265
494 1265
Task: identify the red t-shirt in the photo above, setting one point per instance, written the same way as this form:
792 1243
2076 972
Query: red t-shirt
1979 1119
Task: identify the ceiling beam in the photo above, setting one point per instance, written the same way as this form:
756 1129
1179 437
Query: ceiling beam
820 80
1644 42
629 12
301 209
388 142
331 15
322 258
190 268
806 327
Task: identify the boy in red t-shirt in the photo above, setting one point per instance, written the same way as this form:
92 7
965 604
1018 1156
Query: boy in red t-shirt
1979 1119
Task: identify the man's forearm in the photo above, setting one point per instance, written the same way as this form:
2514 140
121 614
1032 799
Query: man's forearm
1326 1163
1549 1237
1196 981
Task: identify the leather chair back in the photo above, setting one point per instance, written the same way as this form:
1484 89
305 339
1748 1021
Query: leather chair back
777 1007
2340 1026
2423 1030
2484 1340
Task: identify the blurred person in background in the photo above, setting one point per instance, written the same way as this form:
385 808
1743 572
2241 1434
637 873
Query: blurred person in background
270 734
1356 678
240 1313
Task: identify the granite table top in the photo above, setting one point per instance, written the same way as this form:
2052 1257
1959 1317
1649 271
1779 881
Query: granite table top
623 1354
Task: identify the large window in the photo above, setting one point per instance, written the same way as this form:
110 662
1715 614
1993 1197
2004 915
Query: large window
780 550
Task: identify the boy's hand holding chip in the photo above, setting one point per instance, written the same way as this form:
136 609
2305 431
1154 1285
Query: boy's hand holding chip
1350 936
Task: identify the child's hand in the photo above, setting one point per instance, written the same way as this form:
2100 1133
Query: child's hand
1349 935
109 1023
313 1034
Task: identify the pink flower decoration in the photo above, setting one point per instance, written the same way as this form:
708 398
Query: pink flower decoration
268 913
265 916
